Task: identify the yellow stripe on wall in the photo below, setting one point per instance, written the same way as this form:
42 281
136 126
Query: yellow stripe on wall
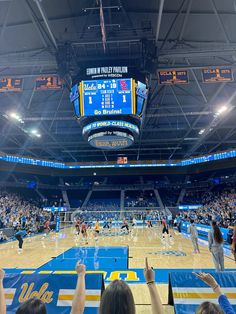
199 295
27 272
64 272
65 297
9 296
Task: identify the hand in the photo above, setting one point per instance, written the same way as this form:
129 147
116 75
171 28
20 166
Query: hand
208 279
80 268
2 274
148 272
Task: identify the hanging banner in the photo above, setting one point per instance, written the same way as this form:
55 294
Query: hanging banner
217 75
9 84
48 83
173 77
56 291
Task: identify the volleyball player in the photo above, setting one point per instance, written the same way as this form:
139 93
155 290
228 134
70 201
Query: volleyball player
96 229
107 224
165 227
77 226
149 223
84 232
125 225
46 228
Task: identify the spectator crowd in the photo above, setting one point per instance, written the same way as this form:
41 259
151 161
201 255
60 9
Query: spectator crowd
217 206
16 211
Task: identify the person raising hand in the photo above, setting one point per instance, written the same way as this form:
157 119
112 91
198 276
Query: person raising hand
222 299
78 303
149 275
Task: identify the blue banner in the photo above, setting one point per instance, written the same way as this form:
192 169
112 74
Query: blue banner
204 229
190 207
56 291
58 224
186 291
62 165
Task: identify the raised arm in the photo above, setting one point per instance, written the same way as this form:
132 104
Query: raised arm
2 296
222 299
78 303
149 275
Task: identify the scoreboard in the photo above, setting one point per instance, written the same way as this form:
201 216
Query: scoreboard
173 77
107 97
217 75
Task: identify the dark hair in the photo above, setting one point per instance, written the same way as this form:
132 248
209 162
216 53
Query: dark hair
208 308
191 221
217 233
117 299
32 306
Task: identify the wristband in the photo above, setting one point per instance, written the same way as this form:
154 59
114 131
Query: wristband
215 287
150 282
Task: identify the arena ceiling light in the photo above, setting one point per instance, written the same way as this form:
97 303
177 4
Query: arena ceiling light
35 132
221 110
201 131
15 116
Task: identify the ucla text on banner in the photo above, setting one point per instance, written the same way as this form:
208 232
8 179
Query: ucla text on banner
56 291
186 291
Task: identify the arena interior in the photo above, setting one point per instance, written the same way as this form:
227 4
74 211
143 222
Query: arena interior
117 156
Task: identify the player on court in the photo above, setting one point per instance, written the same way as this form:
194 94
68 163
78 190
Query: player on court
46 228
84 232
134 222
165 227
149 223
125 224
96 229
77 226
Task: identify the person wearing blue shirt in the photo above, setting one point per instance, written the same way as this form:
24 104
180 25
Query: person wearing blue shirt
222 299
19 236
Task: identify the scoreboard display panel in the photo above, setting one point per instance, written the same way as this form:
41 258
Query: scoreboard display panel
217 75
48 83
9 84
173 77
107 97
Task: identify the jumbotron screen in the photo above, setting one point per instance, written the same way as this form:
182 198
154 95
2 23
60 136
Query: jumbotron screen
108 97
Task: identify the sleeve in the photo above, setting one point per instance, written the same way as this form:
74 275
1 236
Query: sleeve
210 240
225 305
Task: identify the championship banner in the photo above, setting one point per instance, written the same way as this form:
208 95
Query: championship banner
56 291
48 83
9 84
186 291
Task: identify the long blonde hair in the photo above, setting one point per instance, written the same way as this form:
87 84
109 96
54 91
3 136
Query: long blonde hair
208 307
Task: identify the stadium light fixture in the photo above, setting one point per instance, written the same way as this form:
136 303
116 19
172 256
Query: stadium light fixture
221 110
35 132
201 131
15 116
